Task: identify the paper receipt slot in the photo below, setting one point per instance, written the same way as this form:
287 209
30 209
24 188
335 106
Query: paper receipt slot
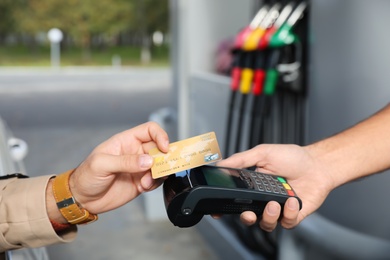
205 190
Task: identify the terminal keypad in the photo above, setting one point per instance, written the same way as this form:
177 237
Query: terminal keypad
269 183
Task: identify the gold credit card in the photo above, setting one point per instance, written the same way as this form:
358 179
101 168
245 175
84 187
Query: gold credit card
186 154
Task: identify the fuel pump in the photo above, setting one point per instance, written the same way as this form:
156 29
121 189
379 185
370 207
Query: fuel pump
246 80
260 107
272 88
237 67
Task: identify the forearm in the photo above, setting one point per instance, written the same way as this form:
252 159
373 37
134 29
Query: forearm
359 151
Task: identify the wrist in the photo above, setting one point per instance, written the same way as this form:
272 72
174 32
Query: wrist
74 190
325 166
339 158
69 208
53 212
57 221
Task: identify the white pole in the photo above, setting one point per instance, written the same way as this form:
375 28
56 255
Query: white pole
183 70
55 54
55 37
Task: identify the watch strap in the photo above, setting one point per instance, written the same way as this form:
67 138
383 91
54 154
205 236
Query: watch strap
67 204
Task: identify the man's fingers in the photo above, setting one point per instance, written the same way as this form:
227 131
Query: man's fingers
105 163
148 183
135 163
270 216
248 158
152 131
144 134
248 218
290 213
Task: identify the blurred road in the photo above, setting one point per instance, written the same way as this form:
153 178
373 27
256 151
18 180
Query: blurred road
78 96
63 115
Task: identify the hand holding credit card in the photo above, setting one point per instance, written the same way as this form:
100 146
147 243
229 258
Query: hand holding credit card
186 154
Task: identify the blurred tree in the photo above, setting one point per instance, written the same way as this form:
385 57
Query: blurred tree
81 20
7 23
152 16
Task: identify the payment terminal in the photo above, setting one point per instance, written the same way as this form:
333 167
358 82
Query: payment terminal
205 190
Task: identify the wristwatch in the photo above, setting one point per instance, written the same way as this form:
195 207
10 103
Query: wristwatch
67 205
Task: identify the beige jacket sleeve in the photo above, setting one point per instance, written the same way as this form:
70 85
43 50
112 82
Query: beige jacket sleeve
23 217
